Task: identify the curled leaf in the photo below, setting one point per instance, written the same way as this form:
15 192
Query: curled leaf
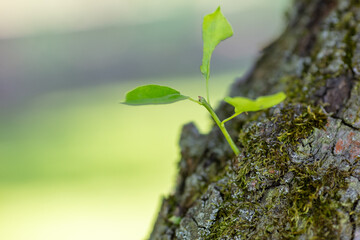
153 94
243 104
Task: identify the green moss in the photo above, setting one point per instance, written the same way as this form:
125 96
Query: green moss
294 89
350 46
296 127
272 197
302 90
315 203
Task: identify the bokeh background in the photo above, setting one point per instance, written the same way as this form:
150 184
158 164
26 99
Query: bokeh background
74 163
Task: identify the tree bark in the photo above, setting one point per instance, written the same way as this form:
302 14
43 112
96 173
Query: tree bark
298 173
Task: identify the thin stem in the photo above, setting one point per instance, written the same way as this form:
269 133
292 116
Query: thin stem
193 100
229 118
220 125
207 90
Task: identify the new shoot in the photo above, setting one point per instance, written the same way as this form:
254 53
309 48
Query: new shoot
215 29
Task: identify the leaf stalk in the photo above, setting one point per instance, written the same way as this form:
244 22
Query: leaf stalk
204 103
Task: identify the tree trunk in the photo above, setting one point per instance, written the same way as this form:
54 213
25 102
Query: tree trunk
298 173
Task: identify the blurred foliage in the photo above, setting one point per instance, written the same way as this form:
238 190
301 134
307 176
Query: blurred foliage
74 153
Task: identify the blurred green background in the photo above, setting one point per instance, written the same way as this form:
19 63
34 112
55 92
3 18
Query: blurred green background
75 164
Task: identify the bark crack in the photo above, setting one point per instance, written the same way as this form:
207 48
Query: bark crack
197 224
346 124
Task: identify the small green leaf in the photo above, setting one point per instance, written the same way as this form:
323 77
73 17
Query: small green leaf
215 29
153 94
175 220
243 104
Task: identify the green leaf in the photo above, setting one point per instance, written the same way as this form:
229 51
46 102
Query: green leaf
243 104
215 29
175 220
153 94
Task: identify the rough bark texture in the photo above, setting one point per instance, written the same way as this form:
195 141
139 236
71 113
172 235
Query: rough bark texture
298 173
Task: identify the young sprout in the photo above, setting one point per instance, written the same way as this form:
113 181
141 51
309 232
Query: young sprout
215 29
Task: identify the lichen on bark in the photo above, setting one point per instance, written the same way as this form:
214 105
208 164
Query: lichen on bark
298 173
